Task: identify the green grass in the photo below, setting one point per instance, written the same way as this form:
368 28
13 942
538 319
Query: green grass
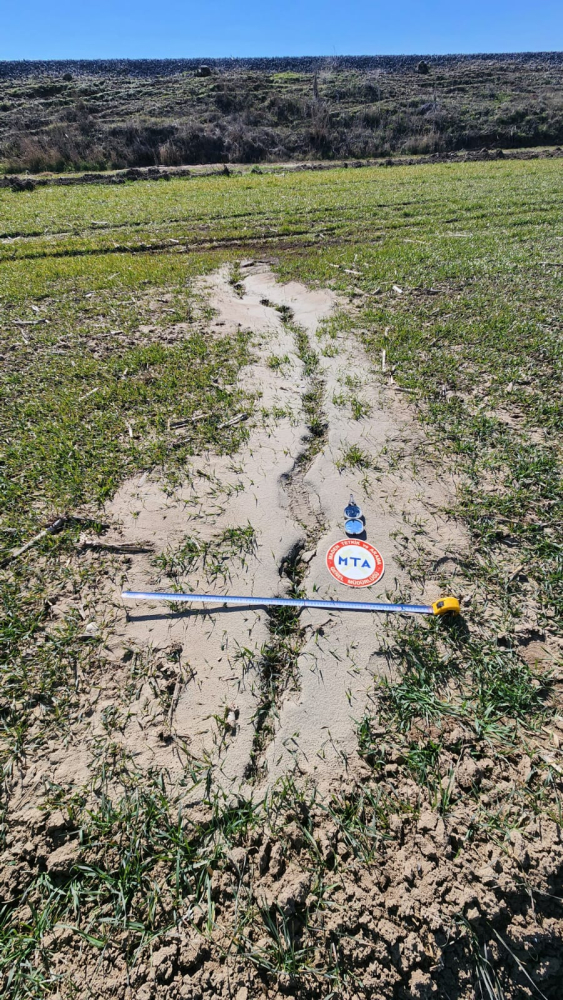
277 362
87 396
362 819
473 337
484 200
73 429
354 457
479 682
215 557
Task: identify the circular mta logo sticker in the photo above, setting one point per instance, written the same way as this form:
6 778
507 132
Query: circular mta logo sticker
355 563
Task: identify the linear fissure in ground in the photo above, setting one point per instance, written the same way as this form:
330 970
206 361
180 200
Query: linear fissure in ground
278 667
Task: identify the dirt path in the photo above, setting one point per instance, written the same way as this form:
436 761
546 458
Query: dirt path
269 513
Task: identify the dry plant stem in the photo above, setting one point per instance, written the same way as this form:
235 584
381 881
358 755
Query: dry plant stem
50 530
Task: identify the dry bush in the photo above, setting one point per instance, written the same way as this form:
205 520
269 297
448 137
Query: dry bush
57 152
193 144
34 155
246 144
429 142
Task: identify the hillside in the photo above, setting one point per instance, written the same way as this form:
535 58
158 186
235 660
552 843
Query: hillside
115 114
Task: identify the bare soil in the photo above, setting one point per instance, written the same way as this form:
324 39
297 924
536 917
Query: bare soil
294 504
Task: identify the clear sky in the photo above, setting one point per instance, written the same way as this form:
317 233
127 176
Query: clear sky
89 29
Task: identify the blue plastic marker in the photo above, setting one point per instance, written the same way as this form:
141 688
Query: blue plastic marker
354 527
352 510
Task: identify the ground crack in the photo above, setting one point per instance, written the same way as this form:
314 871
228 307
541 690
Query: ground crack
278 668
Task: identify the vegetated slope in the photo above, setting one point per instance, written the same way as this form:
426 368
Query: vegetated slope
94 115
435 868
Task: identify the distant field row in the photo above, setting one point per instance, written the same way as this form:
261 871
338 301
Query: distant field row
410 218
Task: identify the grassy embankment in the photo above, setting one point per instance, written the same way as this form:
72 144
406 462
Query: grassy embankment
474 338
116 115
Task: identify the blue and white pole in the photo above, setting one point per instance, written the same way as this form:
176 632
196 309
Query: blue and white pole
287 602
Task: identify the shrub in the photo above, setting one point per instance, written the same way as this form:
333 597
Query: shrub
193 145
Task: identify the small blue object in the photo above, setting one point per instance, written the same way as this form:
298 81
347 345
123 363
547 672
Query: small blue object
354 527
352 510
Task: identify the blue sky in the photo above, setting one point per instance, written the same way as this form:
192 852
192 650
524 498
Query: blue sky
75 29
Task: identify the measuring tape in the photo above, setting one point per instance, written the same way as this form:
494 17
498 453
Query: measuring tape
446 605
